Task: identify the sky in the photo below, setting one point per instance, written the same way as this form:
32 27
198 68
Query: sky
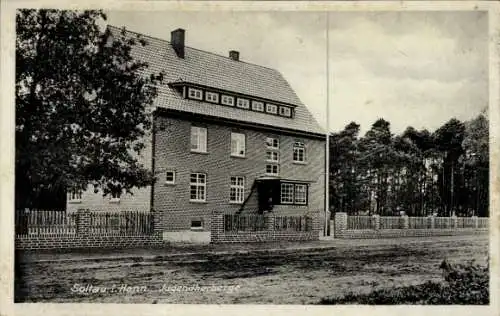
415 68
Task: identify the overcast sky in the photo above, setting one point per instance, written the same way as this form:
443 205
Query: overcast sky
411 68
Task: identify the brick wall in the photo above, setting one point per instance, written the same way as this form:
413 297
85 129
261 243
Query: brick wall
218 235
172 149
76 241
341 231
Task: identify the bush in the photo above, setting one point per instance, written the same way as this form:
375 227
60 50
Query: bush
464 284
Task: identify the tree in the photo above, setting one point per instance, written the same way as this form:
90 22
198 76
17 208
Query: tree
81 103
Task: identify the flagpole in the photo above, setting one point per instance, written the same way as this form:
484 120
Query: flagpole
327 151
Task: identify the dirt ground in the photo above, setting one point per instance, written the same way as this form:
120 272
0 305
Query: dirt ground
302 277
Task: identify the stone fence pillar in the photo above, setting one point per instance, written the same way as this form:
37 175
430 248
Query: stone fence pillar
340 224
430 222
82 222
270 220
405 222
217 226
454 222
376 222
475 219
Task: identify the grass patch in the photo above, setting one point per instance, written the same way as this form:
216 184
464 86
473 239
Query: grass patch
463 284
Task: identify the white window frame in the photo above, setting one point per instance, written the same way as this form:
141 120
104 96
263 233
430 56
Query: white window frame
271 140
243 103
272 156
270 106
199 186
194 93
240 140
300 200
200 135
173 177
212 97
258 106
238 188
272 167
225 99
297 148
75 196
288 194
286 109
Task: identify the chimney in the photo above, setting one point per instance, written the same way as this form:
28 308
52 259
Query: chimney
177 41
234 55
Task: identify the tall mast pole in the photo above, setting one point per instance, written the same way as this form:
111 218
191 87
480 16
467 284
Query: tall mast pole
327 151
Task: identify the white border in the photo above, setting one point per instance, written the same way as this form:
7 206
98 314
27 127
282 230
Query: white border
7 159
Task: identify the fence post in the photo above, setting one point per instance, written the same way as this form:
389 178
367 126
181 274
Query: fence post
476 221
270 220
454 222
376 221
430 221
405 222
82 221
217 226
340 224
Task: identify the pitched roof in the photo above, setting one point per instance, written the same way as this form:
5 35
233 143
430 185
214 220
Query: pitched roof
220 72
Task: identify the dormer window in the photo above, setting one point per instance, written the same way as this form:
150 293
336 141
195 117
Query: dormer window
258 106
196 94
243 103
285 111
212 97
271 108
227 100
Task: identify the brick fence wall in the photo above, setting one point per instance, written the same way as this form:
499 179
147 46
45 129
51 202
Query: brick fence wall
82 236
77 241
219 235
341 230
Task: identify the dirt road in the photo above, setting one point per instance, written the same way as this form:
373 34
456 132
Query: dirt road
301 277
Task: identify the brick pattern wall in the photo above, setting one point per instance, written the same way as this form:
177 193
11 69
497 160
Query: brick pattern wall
78 241
341 230
172 153
218 235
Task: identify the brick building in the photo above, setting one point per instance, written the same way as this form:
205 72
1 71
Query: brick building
227 135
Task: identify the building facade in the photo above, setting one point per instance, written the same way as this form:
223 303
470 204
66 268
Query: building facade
227 135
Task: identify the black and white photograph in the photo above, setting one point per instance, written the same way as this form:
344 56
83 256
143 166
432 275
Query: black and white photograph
236 155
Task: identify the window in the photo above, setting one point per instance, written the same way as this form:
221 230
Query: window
272 169
271 108
236 190
198 139
195 93
285 111
301 194
197 187
75 196
115 197
238 144
287 193
243 103
227 100
293 193
196 224
272 143
272 156
299 152
257 106
170 177
212 97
